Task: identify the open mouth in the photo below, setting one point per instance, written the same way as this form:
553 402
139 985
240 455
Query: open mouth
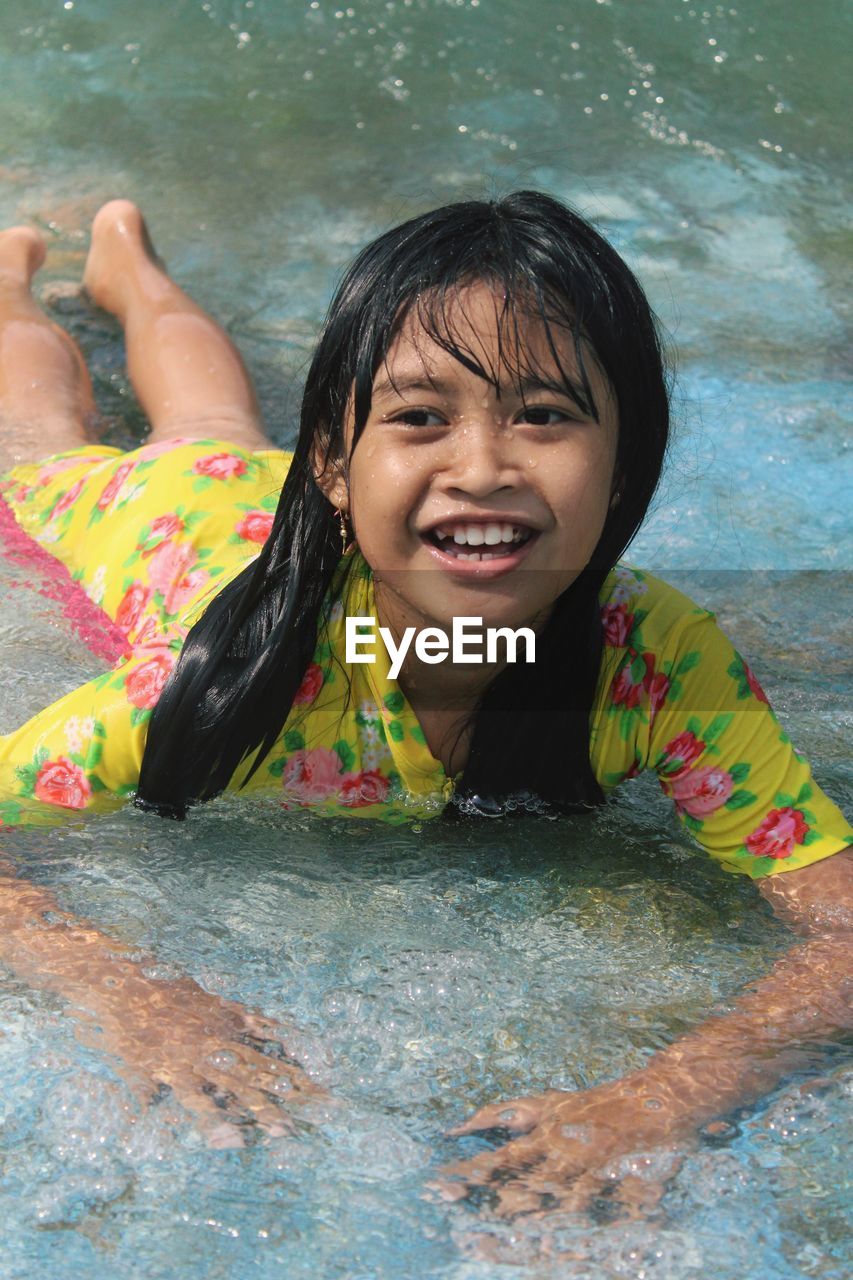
480 542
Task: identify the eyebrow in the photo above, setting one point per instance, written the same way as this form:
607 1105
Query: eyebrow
418 382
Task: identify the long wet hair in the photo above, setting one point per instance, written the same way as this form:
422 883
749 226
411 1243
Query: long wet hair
227 700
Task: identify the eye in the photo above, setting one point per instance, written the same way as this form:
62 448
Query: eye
418 418
544 415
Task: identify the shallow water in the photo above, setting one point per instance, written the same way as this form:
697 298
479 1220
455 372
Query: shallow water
428 972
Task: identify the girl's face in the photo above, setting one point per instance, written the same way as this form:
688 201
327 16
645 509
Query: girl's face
470 500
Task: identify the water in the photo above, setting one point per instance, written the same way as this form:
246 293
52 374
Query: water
429 972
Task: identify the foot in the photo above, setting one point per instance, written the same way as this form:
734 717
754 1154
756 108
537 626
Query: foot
22 252
121 253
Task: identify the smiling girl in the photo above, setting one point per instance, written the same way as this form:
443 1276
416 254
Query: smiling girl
483 427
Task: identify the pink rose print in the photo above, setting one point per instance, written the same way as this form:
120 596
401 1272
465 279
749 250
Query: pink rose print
168 574
67 500
312 776
145 684
700 792
52 469
182 591
62 783
163 528
680 753
220 466
255 526
627 691
149 451
111 491
359 789
312 683
776 836
657 686
153 634
169 562
617 623
132 606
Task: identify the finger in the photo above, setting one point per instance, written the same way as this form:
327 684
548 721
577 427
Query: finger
244 1067
643 1183
489 1170
214 1114
519 1115
214 1097
489 1164
246 1103
287 1081
585 1191
638 1197
516 1200
269 1055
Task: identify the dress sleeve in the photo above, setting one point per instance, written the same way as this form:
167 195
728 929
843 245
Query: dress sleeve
83 752
738 784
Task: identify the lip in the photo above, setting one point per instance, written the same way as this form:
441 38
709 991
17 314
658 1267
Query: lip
483 570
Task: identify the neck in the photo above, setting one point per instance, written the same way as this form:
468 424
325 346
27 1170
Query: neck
443 687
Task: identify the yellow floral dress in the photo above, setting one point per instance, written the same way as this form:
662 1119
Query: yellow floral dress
146 538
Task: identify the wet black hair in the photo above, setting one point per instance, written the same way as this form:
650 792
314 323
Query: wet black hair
230 693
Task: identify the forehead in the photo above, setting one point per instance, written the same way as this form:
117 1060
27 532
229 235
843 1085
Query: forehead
477 327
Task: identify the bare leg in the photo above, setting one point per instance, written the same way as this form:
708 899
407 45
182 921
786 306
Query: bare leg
186 371
46 403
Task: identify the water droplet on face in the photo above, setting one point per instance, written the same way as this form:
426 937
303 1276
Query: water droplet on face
223 1058
652 1104
507 1116
532 463
575 1132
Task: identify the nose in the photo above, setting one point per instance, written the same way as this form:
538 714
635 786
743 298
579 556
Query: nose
484 457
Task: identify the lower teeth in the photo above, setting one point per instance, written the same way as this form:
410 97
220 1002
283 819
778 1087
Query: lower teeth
483 555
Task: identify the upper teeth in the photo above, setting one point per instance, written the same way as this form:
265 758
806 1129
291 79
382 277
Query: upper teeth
477 535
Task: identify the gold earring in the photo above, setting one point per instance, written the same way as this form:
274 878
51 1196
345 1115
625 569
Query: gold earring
344 532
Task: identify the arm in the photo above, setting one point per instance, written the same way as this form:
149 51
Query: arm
577 1144
699 718
224 1064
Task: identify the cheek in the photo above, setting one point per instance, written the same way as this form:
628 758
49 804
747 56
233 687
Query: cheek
590 486
382 497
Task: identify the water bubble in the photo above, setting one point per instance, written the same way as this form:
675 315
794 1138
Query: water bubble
575 1132
223 1059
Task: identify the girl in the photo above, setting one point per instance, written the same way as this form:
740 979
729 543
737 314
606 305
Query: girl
483 428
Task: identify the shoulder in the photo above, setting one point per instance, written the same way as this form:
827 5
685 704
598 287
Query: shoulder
662 654
632 600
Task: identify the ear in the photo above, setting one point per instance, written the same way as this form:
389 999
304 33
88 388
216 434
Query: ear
330 478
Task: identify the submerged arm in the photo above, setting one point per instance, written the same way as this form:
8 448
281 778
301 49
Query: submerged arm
224 1064
578 1145
774 1028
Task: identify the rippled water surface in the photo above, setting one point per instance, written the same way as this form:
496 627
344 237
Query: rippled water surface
427 972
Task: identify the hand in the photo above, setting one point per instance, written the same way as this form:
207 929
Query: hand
225 1065
617 1144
